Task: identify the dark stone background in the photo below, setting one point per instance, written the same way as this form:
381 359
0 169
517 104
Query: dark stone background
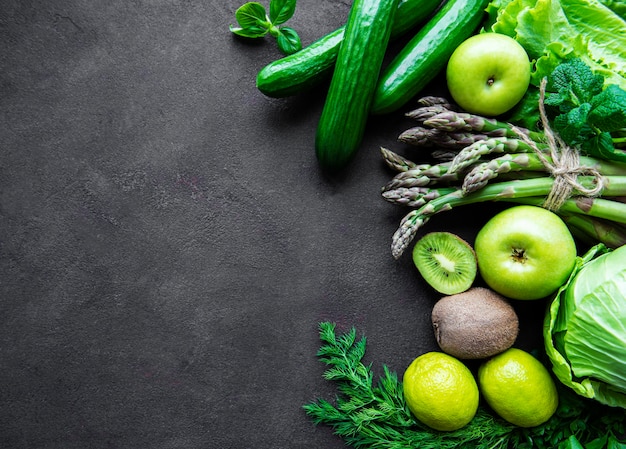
168 243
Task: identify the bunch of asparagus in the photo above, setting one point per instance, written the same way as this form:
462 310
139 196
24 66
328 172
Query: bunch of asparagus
478 159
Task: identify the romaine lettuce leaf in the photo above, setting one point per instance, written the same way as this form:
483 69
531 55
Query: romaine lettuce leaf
617 6
554 30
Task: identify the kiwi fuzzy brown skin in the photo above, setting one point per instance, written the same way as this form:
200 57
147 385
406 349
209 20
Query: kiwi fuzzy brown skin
475 324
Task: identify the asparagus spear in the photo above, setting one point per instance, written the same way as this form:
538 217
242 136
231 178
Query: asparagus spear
593 230
538 187
480 174
415 196
423 175
430 106
453 121
395 161
497 145
428 137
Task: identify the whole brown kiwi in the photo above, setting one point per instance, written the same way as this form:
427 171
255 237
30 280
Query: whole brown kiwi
475 324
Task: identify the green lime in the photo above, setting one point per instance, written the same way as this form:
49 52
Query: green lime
518 387
440 391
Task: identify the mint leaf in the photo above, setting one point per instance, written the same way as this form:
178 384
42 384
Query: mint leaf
288 40
281 11
255 23
251 32
585 113
572 126
608 112
251 15
601 146
572 83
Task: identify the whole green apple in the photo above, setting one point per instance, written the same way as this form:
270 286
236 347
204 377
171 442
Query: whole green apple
525 252
488 73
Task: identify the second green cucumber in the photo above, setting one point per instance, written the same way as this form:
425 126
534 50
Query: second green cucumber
313 64
427 53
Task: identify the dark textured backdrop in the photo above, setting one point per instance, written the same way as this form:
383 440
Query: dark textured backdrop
168 244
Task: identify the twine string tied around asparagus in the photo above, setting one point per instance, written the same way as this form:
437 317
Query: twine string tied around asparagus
563 163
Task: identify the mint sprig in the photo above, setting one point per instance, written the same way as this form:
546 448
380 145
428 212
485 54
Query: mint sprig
254 22
587 114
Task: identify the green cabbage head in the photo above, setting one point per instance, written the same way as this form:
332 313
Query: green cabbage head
585 327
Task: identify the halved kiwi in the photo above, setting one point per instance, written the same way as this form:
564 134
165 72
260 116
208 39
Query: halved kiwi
446 262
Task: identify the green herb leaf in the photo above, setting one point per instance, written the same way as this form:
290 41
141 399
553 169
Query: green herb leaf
615 444
587 112
574 84
608 109
571 443
572 125
255 23
250 32
281 11
251 15
601 146
370 414
288 40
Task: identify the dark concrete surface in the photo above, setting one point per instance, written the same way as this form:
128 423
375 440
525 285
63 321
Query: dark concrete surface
168 243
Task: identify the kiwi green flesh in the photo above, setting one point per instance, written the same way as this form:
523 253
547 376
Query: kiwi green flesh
446 262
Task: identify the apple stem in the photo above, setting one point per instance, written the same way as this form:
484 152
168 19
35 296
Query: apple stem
519 255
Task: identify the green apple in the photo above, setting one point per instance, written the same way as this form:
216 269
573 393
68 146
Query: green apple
525 252
488 73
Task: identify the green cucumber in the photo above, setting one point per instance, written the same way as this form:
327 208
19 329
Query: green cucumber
427 53
313 64
346 109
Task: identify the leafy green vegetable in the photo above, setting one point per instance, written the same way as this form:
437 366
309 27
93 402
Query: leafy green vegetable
552 31
617 6
526 112
254 22
370 414
587 111
585 327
